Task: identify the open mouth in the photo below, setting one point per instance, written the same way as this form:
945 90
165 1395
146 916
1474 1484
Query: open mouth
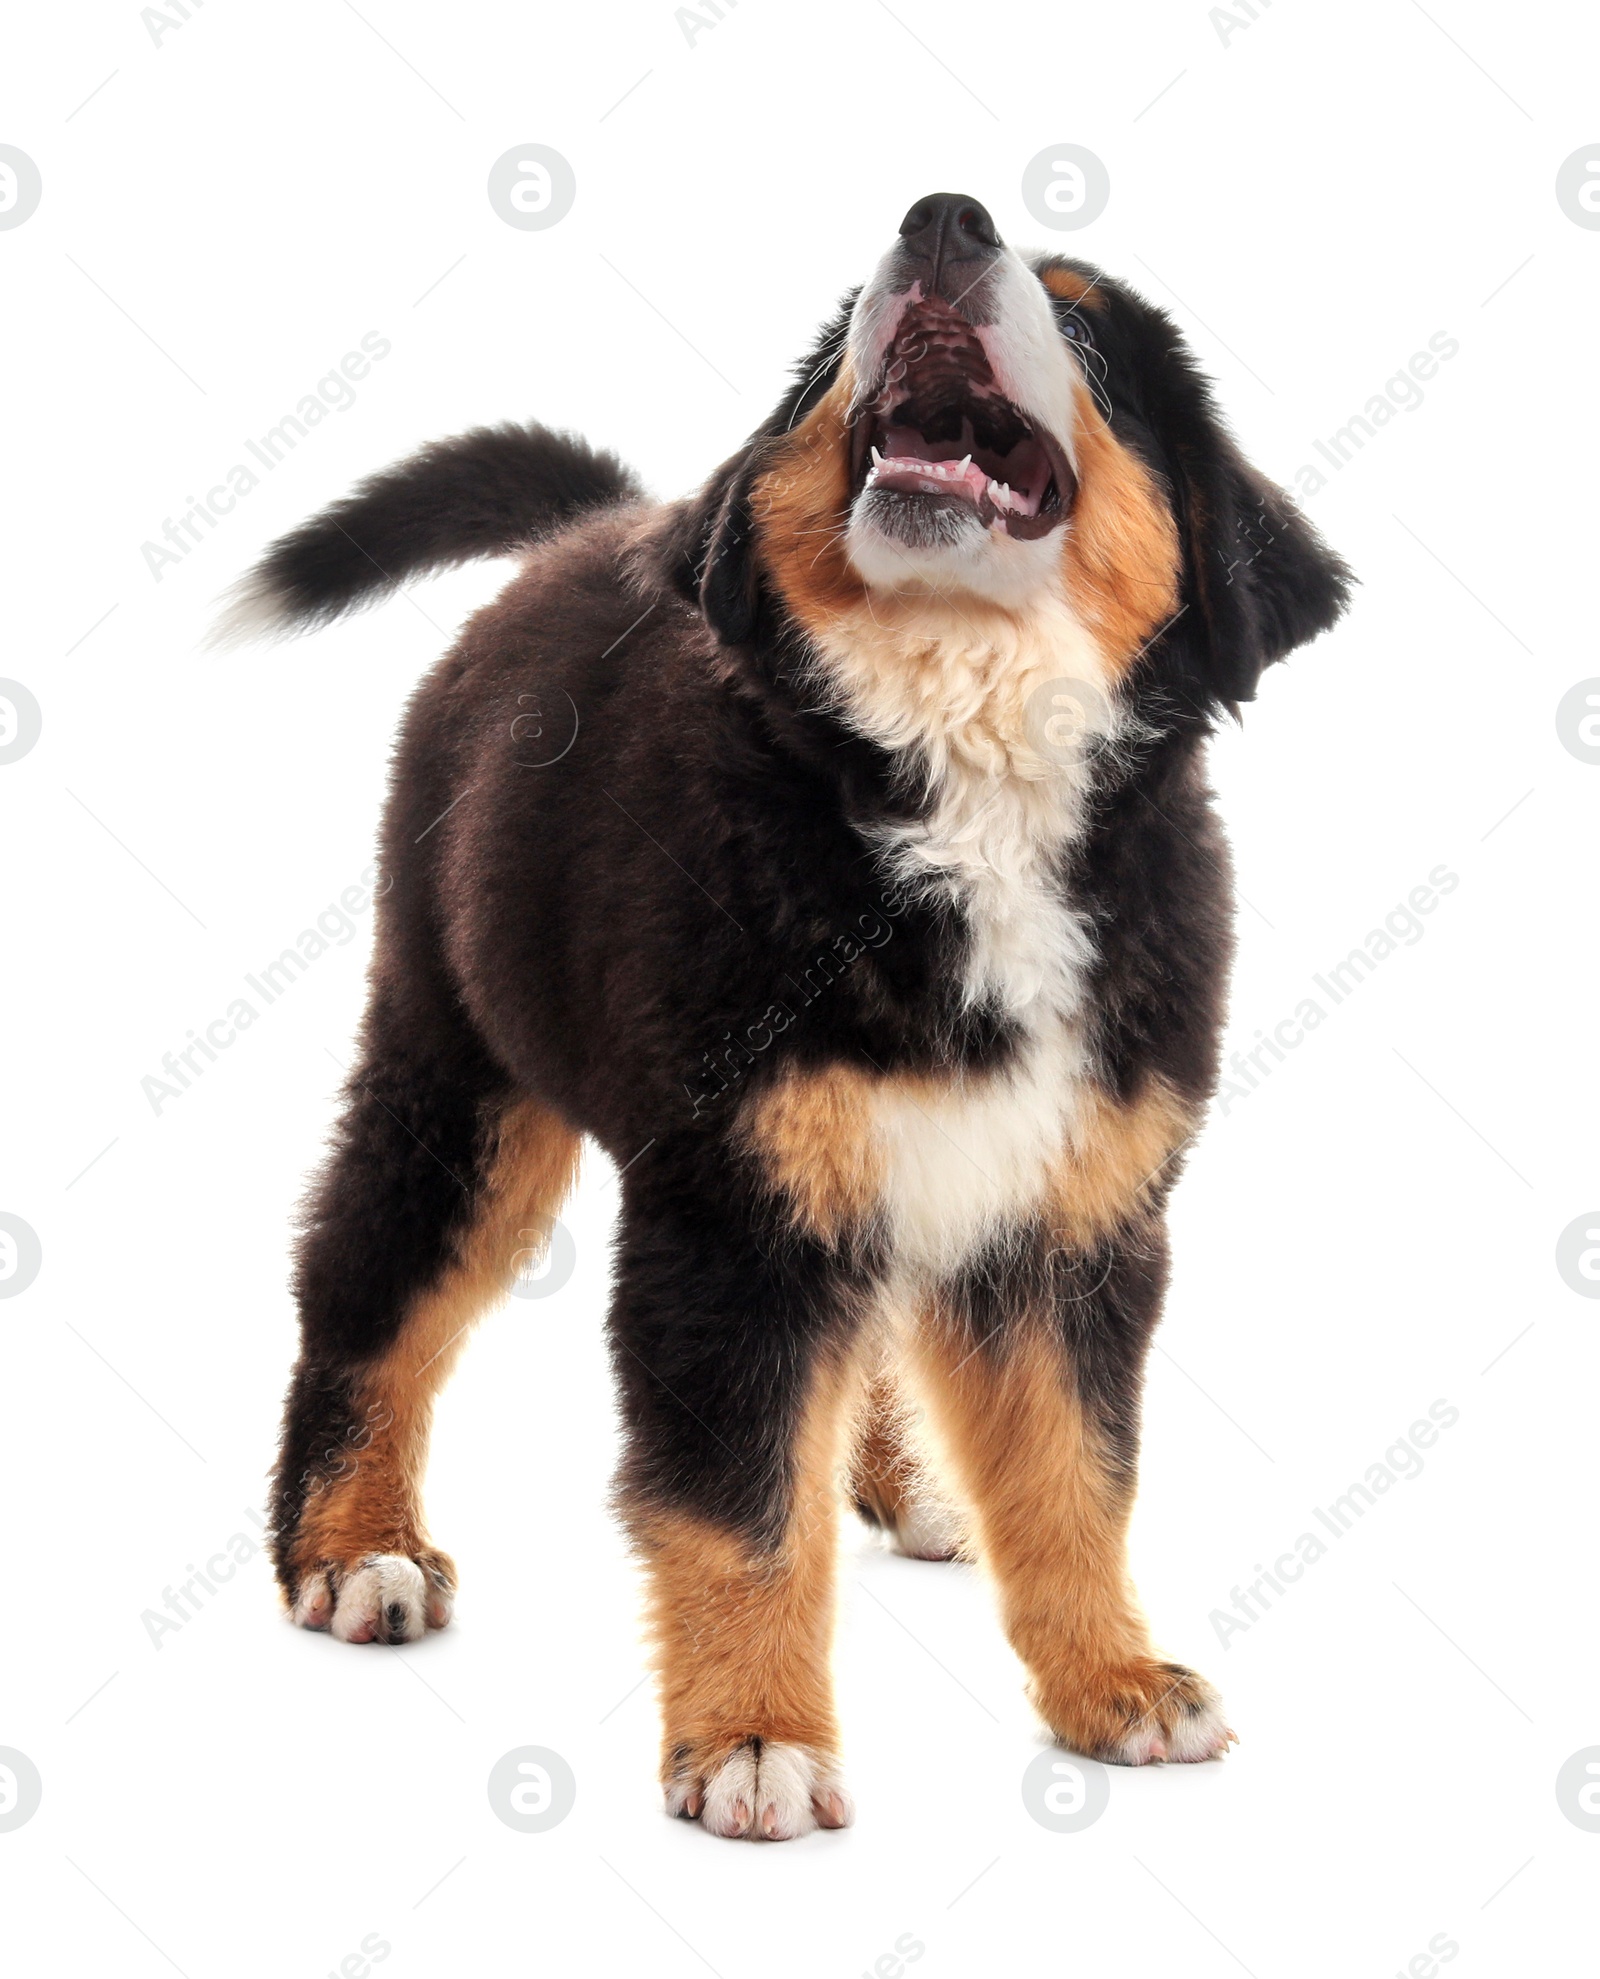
940 435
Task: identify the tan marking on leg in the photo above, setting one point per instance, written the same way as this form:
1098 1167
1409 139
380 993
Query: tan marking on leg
813 1135
1051 1512
890 1476
743 1638
883 1470
1120 553
372 1502
1119 1149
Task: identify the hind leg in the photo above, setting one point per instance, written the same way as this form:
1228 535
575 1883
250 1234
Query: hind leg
1035 1388
892 1482
439 1178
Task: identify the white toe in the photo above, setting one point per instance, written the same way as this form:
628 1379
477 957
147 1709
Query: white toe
313 1606
730 1794
777 1796
385 1599
1203 1736
1190 1736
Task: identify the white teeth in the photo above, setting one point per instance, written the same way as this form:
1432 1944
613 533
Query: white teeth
936 475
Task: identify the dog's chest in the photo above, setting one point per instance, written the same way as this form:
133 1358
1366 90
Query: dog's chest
969 1156
964 1158
947 1162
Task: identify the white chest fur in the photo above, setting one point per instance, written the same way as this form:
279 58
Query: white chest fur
976 699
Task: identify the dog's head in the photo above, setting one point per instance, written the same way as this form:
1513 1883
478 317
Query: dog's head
991 431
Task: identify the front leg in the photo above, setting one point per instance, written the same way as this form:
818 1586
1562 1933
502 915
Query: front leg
1037 1401
743 1640
739 1374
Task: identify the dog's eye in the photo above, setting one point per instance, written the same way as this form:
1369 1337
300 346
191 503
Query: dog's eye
1075 329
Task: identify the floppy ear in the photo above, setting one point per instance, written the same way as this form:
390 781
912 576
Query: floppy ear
710 552
1261 581
730 583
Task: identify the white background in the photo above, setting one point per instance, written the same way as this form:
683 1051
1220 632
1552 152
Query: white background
1371 1230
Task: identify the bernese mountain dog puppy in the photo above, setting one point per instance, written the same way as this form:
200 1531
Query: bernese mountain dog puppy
834 849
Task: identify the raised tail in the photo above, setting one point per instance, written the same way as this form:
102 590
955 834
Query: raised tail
479 495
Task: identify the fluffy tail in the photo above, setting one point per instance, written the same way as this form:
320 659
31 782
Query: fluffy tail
486 492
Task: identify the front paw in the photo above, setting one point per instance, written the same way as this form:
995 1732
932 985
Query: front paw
1135 1713
380 1597
760 1789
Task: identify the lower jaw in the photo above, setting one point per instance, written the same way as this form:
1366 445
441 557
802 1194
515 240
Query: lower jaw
898 553
942 521
945 519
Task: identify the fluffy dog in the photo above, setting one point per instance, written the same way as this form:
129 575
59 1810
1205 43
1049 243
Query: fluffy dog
834 849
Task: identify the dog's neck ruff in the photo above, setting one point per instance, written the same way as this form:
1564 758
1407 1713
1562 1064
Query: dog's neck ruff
968 699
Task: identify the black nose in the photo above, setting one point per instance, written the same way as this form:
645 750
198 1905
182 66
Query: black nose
950 217
948 228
